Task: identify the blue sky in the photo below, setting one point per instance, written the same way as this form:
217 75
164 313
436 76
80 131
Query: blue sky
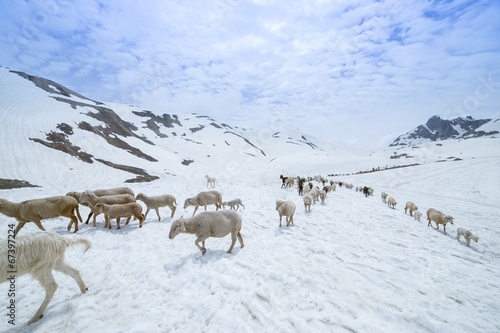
354 72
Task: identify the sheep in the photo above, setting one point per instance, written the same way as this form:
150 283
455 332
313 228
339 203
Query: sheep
384 197
120 210
417 215
439 218
467 235
91 199
204 199
154 202
307 202
233 203
210 181
411 207
322 196
391 202
287 209
38 254
36 210
209 224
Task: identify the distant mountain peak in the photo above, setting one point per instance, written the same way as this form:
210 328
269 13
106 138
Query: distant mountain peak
437 129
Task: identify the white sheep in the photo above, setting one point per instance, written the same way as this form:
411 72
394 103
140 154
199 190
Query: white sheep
157 201
307 202
417 215
233 204
210 181
36 210
467 235
91 199
120 210
411 207
38 254
204 199
383 195
322 196
210 224
287 209
391 202
439 218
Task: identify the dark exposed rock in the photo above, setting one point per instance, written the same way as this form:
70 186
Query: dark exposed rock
153 121
142 177
247 141
60 141
196 129
7 184
187 162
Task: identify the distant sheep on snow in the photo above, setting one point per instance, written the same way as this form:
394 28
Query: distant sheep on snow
467 235
204 199
287 209
391 202
233 204
438 218
410 206
210 181
157 201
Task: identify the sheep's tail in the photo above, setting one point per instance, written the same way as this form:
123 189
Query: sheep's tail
78 241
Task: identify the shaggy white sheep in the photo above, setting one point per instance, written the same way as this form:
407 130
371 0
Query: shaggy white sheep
287 209
204 199
157 201
210 224
307 202
91 199
38 254
383 195
467 235
210 181
120 210
233 204
411 207
36 210
322 196
391 202
439 218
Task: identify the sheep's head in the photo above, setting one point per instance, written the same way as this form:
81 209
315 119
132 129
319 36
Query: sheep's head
188 202
449 218
278 204
99 208
178 226
139 196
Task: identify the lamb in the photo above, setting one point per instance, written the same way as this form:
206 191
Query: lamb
287 209
91 199
204 199
233 203
210 181
210 224
36 210
391 202
417 216
307 202
154 202
38 254
384 197
439 218
411 207
467 235
120 210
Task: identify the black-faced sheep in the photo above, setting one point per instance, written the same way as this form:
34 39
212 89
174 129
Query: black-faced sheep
120 210
204 199
439 218
233 204
210 224
157 201
38 254
287 209
467 235
410 206
36 210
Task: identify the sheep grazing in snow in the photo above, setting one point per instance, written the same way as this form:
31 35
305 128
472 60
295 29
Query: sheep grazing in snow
383 195
38 254
417 215
91 199
233 203
410 206
391 202
157 201
120 210
36 210
287 209
307 202
210 181
439 218
467 235
204 199
210 224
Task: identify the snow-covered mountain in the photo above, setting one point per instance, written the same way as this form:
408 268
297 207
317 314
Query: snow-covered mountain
437 129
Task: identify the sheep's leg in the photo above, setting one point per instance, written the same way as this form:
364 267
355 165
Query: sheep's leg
195 209
95 215
88 218
118 222
19 226
64 268
147 211
157 213
444 227
78 214
128 220
233 241
202 248
73 221
173 208
240 239
47 281
281 216
39 225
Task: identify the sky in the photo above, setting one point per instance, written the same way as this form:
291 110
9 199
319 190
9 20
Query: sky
354 72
